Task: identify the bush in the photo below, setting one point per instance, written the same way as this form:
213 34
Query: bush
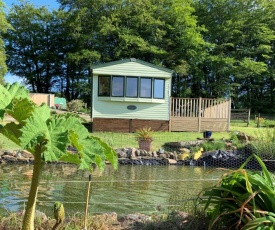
265 143
75 105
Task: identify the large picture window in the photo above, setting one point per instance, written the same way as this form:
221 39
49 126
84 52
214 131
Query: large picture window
104 86
118 86
158 88
129 86
146 87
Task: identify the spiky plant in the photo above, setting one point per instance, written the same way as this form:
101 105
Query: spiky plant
48 138
242 199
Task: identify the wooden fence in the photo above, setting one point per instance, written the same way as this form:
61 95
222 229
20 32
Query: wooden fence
241 115
199 114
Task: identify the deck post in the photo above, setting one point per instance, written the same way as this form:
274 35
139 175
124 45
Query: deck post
170 113
199 115
229 113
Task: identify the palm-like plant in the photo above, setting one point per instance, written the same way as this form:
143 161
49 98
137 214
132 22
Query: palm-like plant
48 138
242 199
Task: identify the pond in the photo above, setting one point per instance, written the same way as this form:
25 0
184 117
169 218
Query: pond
130 189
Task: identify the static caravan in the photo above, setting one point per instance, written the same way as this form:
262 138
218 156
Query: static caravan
130 94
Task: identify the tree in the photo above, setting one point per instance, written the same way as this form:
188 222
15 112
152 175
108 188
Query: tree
33 46
48 138
162 32
4 25
240 39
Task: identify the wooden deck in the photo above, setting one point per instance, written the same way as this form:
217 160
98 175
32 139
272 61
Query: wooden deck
199 114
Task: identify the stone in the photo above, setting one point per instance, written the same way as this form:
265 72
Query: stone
170 161
8 158
23 160
161 151
121 154
138 152
185 150
131 153
163 155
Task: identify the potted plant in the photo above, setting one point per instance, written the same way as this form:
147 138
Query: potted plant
144 136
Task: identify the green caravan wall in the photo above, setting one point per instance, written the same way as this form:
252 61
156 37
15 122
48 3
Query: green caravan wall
61 102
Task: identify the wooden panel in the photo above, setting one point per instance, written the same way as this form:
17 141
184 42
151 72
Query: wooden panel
214 124
184 124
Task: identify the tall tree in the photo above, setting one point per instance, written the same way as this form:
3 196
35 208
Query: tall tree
4 25
32 46
162 32
241 45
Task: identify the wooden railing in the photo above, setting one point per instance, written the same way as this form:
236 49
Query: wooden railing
200 107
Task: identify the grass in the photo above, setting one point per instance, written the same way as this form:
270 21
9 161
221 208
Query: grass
120 140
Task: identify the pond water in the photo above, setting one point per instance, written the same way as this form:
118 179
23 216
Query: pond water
130 189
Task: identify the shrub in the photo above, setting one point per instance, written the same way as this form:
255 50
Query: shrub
265 143
75 105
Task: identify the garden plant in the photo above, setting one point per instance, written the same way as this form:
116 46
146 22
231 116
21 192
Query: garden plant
49 138
242 199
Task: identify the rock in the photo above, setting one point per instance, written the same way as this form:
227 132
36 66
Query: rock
163 155
170 161
138 217
161 151
121 154
244 137
138 152
185 150
23 160
9 158
154 154
18 154
131 153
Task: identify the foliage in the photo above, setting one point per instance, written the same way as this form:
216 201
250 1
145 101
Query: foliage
144 134
4 26
265 143
213 145
241 199
75 105
216 48
48 138
235 140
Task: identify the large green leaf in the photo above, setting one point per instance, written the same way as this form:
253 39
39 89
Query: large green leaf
12 132
35 131
20 109
10 92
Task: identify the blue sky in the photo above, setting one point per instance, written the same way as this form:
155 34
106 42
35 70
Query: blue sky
51 4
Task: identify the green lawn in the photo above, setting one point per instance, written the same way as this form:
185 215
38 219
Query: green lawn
118 140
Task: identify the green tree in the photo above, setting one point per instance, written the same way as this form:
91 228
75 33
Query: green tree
48 138
4 25
162 32
33 46
240 39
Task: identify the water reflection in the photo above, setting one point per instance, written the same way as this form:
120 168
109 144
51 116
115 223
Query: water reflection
127 190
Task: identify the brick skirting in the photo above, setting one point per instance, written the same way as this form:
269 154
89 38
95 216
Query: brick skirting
127 125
